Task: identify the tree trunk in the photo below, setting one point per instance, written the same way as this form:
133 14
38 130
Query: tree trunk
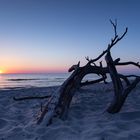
120 93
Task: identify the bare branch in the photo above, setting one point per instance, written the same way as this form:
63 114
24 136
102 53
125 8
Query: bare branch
102 54
117 39
87 58
132 76
93 82
131 87
128 63
113 41
30 98
124 78
114 26
74 67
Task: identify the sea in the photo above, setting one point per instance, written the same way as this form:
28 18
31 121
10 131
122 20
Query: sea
32 80
35 80
38 80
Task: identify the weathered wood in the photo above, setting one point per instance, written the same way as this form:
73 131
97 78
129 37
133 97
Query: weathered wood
30 98
114 41
44 111
62 98
117 103
59 102
94 81
125 79
120 93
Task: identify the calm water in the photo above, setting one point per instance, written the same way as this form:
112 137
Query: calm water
35 80
29 80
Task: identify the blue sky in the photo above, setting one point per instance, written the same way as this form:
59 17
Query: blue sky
52 35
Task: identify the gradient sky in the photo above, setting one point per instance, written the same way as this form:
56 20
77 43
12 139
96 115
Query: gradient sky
52 35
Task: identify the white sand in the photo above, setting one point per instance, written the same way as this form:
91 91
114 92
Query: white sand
87 119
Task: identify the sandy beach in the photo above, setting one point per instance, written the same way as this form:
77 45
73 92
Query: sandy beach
87 118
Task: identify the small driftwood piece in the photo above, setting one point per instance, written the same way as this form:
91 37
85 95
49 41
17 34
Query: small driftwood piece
31 98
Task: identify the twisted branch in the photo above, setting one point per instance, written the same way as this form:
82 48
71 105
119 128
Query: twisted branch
113 42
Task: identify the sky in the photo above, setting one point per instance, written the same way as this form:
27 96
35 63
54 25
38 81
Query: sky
52 35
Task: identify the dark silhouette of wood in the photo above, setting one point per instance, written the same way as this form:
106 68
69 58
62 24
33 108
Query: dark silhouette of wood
30 98
93 82
125 79
66 91
120 92
59 102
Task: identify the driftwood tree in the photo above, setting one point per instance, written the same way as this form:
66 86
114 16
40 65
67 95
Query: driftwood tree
59 103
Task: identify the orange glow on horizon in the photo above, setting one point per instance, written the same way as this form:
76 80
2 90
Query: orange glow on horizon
31 70
1 71
14 68
15 65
